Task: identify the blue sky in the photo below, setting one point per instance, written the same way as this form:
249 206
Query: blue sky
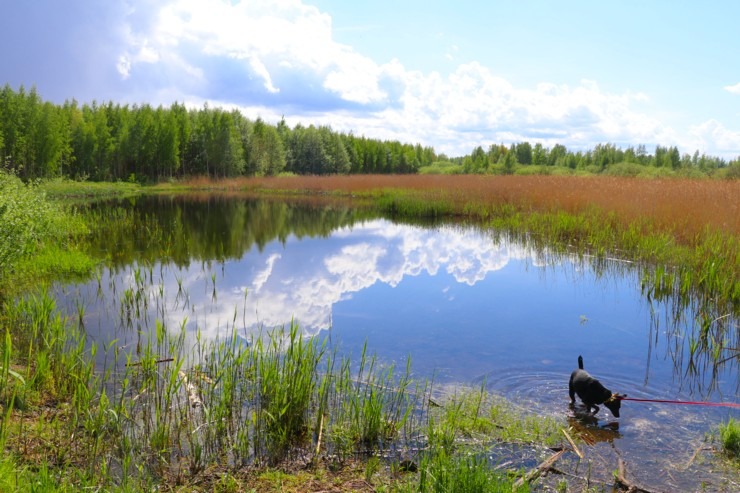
452 75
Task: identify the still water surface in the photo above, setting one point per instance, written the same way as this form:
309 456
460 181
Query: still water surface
467 305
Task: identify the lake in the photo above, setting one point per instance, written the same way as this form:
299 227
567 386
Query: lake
468 305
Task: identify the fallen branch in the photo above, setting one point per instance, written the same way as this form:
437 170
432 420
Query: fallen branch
163 360
693 457
622 481
537 471
572 443
587 481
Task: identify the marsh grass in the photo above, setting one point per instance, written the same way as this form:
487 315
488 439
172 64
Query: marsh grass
288 385
169 411
442 472
683 206
729 436
372 406
476 416
166 412
73 189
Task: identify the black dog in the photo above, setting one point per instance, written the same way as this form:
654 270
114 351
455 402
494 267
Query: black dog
592 392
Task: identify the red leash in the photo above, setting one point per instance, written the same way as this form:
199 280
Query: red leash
694 403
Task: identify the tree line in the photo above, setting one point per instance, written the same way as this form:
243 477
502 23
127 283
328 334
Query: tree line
598 159
109 142
39 139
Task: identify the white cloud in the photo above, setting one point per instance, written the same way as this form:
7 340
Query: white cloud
733 89
262 36
124 66
472 106
715 137
355 78
275 58
262 276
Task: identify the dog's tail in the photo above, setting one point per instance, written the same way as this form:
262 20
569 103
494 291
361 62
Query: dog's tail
580 362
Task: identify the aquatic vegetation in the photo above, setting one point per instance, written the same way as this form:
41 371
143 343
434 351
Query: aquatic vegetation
372 406
480 416
729 435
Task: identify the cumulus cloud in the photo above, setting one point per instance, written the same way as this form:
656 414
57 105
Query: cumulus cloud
274 58
733 89
715 136
269 39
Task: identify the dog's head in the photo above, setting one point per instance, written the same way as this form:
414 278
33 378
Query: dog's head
614 403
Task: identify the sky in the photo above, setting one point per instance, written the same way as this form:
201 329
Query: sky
448 74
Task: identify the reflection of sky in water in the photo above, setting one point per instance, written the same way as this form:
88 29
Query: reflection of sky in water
306 279
464 307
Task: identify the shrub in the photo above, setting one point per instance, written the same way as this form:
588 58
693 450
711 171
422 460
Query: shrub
35 234
25 219
624 169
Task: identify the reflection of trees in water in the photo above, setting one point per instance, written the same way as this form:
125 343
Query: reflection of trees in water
702 337
181 229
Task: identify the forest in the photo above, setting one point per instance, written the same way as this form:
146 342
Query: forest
141 143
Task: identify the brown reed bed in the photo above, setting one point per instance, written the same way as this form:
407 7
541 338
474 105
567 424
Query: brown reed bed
686 207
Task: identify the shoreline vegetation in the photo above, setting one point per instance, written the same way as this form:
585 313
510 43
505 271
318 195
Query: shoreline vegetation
299 417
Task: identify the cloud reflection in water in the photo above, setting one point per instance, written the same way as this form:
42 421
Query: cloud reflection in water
304 279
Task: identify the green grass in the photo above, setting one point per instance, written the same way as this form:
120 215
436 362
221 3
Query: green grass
480 416
441 472
287 371
729 436
71 189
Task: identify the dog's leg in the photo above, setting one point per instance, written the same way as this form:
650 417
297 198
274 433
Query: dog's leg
571 390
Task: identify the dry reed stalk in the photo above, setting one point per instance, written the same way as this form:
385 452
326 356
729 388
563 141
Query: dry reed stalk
685 207
191 389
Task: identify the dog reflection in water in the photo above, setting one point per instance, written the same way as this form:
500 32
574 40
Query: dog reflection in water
586 427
